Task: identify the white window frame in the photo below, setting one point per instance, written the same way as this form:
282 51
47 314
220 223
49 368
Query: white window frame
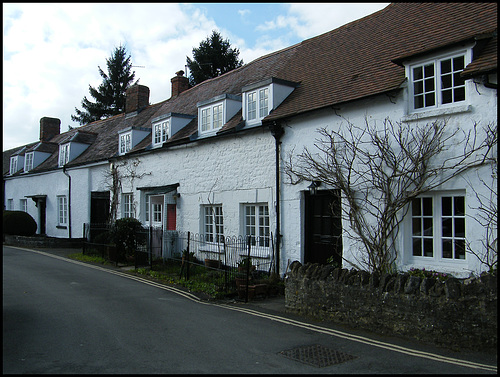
256 223
436 219
23 205
62 210
28 161
13 165
254 101
146 211
213 223
437 81
212 117
64 154
128 205
161 132
125 142
10 204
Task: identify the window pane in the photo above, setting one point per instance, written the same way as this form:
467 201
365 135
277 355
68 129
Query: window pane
417 247
446 81
428 247
447 252
458 80
418 87
429 70
428 227
417 227
417 73
459 202
418 102
447 227
430 99
252 106
263 102
446 66
429 85
427 203
446 206
459 94
459 249
446 96
459 227
458 63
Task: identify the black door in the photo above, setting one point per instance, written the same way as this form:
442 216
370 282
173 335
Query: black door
42 205
323 227
99 207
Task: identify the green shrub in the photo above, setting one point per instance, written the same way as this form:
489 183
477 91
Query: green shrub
127 235
18 223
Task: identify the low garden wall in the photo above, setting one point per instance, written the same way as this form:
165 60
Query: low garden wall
43 241
454 313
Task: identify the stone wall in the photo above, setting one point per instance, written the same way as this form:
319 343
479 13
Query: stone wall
457 314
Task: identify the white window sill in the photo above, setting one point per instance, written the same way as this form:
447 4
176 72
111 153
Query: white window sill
437 112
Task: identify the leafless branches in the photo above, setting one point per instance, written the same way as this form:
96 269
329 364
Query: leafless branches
379 170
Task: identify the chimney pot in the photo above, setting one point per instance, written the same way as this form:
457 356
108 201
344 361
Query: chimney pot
49 127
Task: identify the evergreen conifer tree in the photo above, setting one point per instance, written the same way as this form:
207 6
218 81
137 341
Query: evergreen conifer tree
110 95
212 58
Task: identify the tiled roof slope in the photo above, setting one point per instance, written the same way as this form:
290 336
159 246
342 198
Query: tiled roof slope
486 62
357 60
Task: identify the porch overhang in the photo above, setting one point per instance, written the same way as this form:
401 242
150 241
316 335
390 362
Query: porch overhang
159 189
36 198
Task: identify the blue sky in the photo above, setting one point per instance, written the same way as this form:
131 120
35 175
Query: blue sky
51 51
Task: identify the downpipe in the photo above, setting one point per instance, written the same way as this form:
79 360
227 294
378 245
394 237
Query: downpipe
277 131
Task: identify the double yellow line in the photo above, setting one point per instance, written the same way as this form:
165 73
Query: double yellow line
287 321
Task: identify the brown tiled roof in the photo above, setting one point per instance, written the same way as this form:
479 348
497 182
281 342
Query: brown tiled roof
486 61
357 60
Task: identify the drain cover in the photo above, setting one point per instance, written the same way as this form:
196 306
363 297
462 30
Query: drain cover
317 355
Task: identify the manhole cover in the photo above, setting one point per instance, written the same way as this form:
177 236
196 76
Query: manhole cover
317 355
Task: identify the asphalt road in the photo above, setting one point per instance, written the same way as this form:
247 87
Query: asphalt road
62 316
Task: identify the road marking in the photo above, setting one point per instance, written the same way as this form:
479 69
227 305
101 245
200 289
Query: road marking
287 321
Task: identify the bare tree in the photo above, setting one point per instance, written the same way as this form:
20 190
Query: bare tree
114 177
380 170
487 212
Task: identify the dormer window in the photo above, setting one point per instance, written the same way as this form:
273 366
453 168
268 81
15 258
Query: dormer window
125 142
167 125
28 161
161 132
258 104
211 118
262 97
13 165
63 154
215 112
436 82
130 137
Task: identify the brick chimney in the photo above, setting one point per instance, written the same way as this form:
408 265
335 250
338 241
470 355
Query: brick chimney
137 98
49 127
179 83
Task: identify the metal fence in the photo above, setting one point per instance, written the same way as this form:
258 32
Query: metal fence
220 253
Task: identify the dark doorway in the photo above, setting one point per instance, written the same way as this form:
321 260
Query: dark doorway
323 227
99 213
42 205
99 207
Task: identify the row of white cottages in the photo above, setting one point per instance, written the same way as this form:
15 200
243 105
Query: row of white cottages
210 159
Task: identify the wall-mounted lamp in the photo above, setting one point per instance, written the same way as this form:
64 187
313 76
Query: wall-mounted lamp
313 187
